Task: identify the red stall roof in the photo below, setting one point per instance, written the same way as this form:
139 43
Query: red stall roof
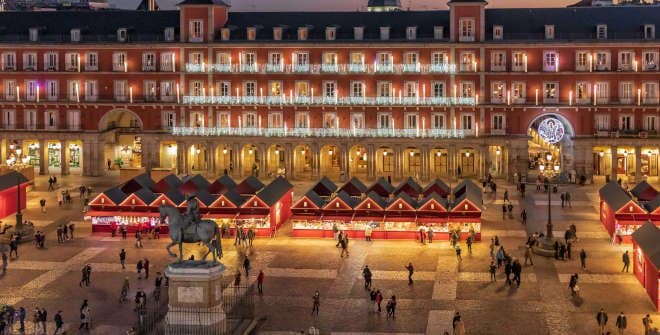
381 187
436 186
230 199
222 185
371 202
647 238
433 203
410 187
10 179
341 201
644 191
311 200
325 187
354 187
402 202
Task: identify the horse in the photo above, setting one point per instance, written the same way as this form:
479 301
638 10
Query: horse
206 231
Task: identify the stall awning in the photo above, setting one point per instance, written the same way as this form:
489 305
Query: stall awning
121 213
251 216
341 218
221 215
400 219
368 218
465 219
305 217
431 219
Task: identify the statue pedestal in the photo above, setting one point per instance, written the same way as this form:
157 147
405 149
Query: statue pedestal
195 293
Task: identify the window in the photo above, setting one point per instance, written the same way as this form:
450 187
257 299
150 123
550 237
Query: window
122 35
468 62
330 61
601 32
650 92
169 119
626 60
549 32
169 34
91 90
649 31
150 91
29 61
498 61
277 33
223 120
250 88
357 120
330 89
9 86
497 122
411 89
8 61
384 120
411 33
438 89
148 61
197 119
71 61
73 90
439 58
302 120
75 35
550 61
384 33
302 33
650 60
52 90
498 92
467 89
602 122
550 92
167 60
518 92
224 88
467 121
330 33
438 121
73 119
602 61
251 33
357 89
358 33
34 34
31 90
650 123
119 62
91 61
225 34
384 89
438 32
50 61
466 30
8 119
275 88
498 32
582 90
50 119
626 92
250 120
602 92
302 59
30 118
626 122
384 58
330 120
302 88
411 121
519 60
582 62
167 88
196 31
196 58
121 90
275 120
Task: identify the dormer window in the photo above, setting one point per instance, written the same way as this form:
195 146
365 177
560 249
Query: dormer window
122 35
277 33
601 32
251 33
330 33
75 35
549 31
467 30
224 34
411 33
196 31
498 33
34 34
384 33
649 31
302 33
438 32
169 34
358 33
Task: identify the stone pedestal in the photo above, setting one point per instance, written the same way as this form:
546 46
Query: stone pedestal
195 298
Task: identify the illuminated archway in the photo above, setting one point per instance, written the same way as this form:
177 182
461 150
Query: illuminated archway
357 161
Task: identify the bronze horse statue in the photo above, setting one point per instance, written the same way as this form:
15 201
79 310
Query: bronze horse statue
184 231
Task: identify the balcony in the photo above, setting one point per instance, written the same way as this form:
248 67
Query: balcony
498 132
300 68
330 68
650 100
383 68
322 132
650 67
357 68
328 101
442 68
275 68
411 68
249 68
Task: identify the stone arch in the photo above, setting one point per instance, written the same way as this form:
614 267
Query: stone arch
120 118
561 152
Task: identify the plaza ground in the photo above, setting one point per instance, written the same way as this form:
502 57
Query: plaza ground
295 268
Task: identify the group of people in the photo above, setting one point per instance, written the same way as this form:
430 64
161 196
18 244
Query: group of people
64 232
342 242
244 235
40 239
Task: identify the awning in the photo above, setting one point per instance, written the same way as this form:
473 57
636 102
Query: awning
431 219
368 218
341 218
119 213
251 216
221 215
305 217
400 219
465 219
630 222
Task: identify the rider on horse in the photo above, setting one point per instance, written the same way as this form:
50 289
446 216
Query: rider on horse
192 212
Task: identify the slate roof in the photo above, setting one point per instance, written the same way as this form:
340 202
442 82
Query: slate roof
235 197
384 3
206 197
381 187
465 186
644 191
405 198
436 197
192 184
168 182
176 196
203 2
436 186
653 204
315 198
222 185
615 196
274 191
410 187
473 194
354 187
116 195
250 185
345 197
144 5
146 195
9 180
138 182
325 187
648 238
381 201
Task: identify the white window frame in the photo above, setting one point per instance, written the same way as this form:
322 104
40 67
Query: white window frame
518 61
8 119
51 119
626 122
150 90
467 29
91 90
650 92
277 33
30 119
499 85
599 55
303 33
34 34
30 88
251 33
330 89
467 121
145 61
122 35
586 87
30 62
650 122
51 61
9 86
650 60
625 60
358 120
168 34
167 90
582 61
550 100
358 33
119 60
550 32
73 120
550 60
71 61
74 35
223 119
602 122
649 31
91 61
120 90
168 120
52 90
9 61
441 92
196 33
602 92
411 120
438 121
438 32
73 90
384 120
493 59
515 97
626 92
331 33
411 33
275 120
601 32
384 33
498 123
302 120
498 32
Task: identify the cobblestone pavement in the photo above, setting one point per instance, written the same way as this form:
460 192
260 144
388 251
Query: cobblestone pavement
295 268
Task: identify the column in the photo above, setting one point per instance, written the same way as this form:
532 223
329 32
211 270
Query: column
288 160
588 169
638 163
451 161
98 164
343 161
315 160
43 156
371 161
398 163
86 155
210 158
613 156
180 158
262 160
235 166
64 160
426 158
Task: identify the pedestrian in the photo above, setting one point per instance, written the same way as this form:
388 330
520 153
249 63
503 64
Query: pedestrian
568 199
523 216
36 320
71 227
123 232
458 253
503 210
146 268
583 259
237 278
60 198
601 319
368 231
492 268
430 234
391 308
468 242
122 259
246 266
379 299
646 322
260 282
457 324
83 279
138 239
50 184
85 317
422 233
13 248
343 242
250 236
316 302
528 255
139 267
42 203
572 284
340 237
4 263
59 322
506 195
22 313
366 273
563 199
621 323
626 261
508 269
411 270
60 234
568 249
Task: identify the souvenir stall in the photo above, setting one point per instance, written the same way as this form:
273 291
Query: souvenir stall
410 187
338 211
619 213
438 187
224 209
354 188
325 187
113 208
646 260
268 209
644 191
432 212
306 216
8 199
653 208
370 212
465 215
400 220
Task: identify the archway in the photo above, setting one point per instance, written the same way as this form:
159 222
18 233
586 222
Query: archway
384 162
74 157
550 145
302 161
357 161
467 162
275 160
53 156
31 150
168 154
439 165
329 161
198 158
223 154
249 160
412 162
120 118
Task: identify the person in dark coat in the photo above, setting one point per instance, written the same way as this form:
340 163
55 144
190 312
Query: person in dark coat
601 319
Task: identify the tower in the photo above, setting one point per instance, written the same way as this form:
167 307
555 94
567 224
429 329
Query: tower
467 20
201 19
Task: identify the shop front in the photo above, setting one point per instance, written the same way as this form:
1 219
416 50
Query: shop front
619 213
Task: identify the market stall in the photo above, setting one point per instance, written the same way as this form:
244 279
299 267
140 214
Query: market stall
268 209
369 212
8 191
381 187
465 214
620 214
644 191
306 215
354 187
432 212
646 260
400 220
410 187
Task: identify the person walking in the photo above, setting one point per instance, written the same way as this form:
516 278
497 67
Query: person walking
572 284
492 268
71 228
146 268
246 266
468 242
621 323
4 263
43 317
411 270
626 261
139 267
646 322
391 308
122 259
430 234
503 210
368 231
379 299
124 233
458 253
59 322
22 314
456 323
601 319
343 243
528 255
316 302
13 248
508 268
583 259
42 203
523 216
366 273
260 282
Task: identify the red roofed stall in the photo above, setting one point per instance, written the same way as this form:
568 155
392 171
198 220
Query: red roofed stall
620 214
646 260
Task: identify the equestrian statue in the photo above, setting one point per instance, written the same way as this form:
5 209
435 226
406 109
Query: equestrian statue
190 228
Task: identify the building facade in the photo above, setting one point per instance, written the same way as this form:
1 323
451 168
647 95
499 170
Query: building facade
465 91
